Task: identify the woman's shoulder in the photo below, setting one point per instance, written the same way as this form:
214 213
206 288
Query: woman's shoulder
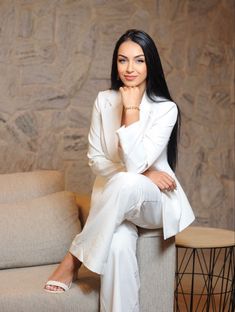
162 104
111 97
108 94
163 109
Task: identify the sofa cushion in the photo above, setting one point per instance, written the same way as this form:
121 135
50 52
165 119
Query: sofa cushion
20 186
21 290
37 231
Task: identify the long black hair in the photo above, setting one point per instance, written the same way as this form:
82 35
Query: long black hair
155 82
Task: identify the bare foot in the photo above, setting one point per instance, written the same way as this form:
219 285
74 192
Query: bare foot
65 272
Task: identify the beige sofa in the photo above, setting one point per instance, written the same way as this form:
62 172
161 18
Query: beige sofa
38 221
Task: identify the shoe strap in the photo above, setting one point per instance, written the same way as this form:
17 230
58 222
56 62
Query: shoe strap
59 284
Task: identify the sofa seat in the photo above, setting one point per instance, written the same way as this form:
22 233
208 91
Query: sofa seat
21 290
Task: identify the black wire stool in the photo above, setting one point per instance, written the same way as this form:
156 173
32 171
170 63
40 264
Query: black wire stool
205 270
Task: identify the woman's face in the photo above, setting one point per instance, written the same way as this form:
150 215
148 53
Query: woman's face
131 66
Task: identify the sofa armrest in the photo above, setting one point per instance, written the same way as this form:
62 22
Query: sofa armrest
150 233
156 260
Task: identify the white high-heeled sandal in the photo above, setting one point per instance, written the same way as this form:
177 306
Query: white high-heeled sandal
58 284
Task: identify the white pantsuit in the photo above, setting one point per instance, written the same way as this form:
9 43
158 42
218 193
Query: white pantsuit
122 196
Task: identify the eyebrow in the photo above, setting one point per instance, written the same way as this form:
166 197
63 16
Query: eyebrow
127 57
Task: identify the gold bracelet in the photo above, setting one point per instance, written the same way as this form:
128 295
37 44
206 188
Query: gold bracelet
132 107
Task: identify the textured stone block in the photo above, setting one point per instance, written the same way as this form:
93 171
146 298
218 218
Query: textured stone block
75 73
14 158
202 7
44 28
78 118
40 74
52 121
27 123
44 97
74 141
87 94
78 176
49 155
70 26
25 23
3 118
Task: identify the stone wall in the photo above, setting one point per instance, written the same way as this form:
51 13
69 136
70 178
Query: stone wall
55 56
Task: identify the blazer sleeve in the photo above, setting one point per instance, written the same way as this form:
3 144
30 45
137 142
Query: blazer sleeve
141 148
97 160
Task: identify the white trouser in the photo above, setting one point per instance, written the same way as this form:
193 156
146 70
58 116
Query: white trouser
120 282
107 244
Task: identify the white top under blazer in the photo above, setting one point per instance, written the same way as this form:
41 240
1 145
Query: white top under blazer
143 145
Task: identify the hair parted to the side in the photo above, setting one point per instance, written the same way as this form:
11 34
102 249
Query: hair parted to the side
155 84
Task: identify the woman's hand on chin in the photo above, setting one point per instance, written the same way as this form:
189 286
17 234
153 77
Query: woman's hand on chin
162 179
131 96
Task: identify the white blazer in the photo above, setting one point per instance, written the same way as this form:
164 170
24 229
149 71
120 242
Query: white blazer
143 145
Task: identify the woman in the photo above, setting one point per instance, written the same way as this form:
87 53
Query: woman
133 152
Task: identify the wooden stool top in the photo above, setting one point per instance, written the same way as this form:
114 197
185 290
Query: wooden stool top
205 237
